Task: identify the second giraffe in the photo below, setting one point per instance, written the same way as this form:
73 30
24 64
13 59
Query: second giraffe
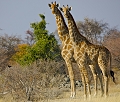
87 55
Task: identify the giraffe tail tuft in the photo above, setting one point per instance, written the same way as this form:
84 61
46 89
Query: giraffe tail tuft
112 72
112 75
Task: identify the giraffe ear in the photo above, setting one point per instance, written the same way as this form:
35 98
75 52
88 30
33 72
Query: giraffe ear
61 9
49 5
70 8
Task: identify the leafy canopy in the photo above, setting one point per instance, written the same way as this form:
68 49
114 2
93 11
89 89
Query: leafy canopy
45 46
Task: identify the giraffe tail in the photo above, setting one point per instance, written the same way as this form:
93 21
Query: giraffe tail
112 75
112 72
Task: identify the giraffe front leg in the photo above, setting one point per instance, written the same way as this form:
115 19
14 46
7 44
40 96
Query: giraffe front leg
95 82
88 86
72 80
82 72
87 83
84 83
73 93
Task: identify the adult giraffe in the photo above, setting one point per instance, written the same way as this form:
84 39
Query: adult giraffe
67 46
86 53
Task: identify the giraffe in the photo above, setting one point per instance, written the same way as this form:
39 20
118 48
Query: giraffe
87 55
67 46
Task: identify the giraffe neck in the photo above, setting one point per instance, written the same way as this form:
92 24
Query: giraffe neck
62 27
75 35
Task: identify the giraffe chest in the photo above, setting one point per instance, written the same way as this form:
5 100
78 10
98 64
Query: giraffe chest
67 49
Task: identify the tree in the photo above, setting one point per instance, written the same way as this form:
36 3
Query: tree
112 42
21 50
30 37
92 29
44 47
32 83
7 44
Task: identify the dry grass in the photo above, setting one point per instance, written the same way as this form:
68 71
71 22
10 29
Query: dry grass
114 94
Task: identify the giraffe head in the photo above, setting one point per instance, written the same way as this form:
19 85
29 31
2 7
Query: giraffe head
66 10
54 7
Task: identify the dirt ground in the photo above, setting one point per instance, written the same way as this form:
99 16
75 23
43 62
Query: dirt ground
114 96
114 93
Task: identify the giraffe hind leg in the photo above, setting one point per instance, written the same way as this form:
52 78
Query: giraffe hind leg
99 74
105 75
92 67
86 82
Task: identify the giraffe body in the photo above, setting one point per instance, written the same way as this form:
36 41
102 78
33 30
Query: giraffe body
88 55
67 46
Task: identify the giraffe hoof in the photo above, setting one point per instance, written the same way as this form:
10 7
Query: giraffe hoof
106 96
101 95
89 96
72 95
95 95
85 97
